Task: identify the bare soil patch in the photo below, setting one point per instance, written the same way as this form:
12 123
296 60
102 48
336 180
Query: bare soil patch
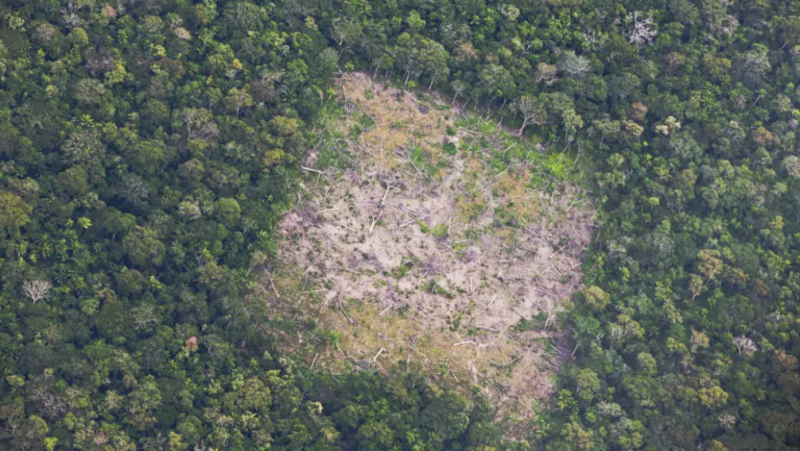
427 242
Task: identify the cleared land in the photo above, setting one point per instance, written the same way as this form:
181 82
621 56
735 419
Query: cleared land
428 239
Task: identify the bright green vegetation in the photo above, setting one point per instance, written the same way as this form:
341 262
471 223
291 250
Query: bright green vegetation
149 147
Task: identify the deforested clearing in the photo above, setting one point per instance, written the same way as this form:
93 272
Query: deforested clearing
430 238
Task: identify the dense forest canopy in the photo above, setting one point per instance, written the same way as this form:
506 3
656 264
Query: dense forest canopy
149 147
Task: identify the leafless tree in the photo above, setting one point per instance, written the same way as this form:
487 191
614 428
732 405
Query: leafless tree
458 87
727 421
792 165
69 15
643 31
574 65
200 123
592 38
744 345
724 25
531 110
36 290
46 401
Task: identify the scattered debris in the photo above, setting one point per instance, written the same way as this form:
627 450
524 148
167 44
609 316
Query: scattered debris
429 255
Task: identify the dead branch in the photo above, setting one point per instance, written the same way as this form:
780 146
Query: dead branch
36 290
272 284
311 170
339 303
374 220
466 342
377 355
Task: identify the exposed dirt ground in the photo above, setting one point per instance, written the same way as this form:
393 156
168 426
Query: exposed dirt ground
427 242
